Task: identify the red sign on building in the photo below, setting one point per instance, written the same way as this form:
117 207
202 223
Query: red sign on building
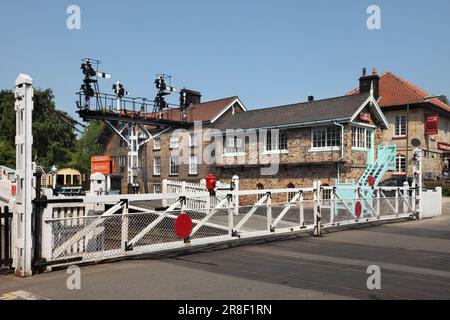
444 146
365 116
432 125
102 164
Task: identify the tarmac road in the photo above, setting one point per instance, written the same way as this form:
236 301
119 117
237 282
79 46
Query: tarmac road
414 258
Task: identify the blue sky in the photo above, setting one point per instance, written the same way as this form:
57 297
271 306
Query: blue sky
267 52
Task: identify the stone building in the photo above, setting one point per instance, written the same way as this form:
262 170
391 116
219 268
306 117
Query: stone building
332 140
159 159
412 113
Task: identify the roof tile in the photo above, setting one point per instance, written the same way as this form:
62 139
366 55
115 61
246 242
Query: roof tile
395 91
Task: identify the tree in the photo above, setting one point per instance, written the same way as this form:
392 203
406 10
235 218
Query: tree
7 154
53 138
88 146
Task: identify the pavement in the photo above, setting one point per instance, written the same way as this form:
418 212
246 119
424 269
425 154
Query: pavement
413 256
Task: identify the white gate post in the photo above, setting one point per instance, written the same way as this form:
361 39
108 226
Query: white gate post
317 209
405 196
124 227
269 212
164 191
332 205
47 235
379 202
302 212
418 180
24 176
230 215
397 195
235 182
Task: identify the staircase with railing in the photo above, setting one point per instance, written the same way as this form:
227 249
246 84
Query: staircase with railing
385 162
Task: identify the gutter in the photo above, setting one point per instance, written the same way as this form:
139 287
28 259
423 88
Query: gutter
342 149
292 126
342 140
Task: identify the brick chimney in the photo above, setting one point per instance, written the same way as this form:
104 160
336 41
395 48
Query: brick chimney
365 83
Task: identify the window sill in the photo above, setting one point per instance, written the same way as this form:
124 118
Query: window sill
275 152
174 174
360 149
399 138
238 154
157 149
327 149
157 175
399 174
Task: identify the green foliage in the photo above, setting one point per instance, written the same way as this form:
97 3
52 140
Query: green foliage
87 146
53 138
445 184
7 154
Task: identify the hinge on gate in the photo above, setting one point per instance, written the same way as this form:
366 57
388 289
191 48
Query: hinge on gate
234 233
128 247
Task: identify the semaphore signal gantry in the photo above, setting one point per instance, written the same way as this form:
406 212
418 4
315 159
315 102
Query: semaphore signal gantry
136 120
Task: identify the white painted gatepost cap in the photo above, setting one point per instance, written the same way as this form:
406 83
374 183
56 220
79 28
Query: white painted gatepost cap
23 79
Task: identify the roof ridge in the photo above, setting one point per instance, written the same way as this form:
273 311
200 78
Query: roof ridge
305 102
217 100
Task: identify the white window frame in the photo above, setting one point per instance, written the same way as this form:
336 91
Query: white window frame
122 161
157 188
234 146
156 168
157 144
193 165
398 165
174 142
275 144
360 137
172 166
400 127
326 148
193 140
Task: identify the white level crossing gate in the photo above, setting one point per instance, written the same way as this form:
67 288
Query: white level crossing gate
95 228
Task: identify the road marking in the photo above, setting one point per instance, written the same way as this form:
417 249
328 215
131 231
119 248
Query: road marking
8 296
21 295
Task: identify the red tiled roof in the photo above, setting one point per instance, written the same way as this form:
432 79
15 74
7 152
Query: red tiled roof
395 91
205 111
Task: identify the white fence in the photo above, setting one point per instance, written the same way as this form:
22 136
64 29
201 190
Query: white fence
6 196
431 203
81 232
182 187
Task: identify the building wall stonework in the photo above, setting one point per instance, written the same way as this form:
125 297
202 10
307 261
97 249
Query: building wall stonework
432 161
299 166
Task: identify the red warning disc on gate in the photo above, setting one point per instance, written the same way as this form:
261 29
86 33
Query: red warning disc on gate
183 226
358 209
371 181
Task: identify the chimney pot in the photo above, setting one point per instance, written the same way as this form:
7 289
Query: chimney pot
364 72
310 98
374 71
